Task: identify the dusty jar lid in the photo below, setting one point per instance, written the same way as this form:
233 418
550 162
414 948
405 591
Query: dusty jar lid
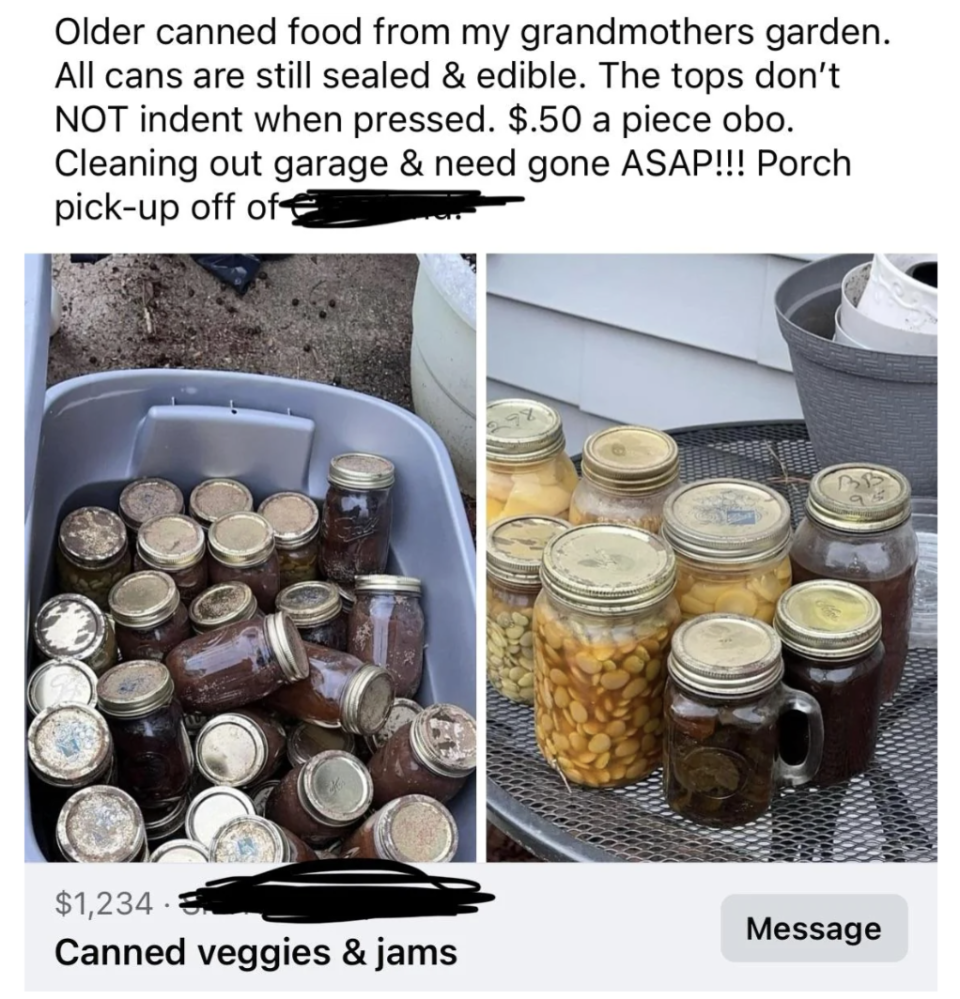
858 497
305 741
347 597
249 839
93 537
402 711
727 520
221 605
360 470
520 431
828 619
135 689
260 795
608 568
69 745
215 498
211 809
335 788
70 625
232 750
166 819
725 654
241 539
180 851
387 584
294 518
443 737
310 604
144 499
100 825
61 681
415 829
515 548
287 646
172 541
144 600
632 460
367 699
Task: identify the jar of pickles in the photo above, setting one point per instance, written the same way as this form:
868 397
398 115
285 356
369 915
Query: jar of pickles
176 545
242 548
215 498
602 627
514 550
627 473
92 553
144 499
731 539
295 520
527 469
857 527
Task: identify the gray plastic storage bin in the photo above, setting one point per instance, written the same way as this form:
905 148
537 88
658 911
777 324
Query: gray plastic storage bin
36 322
100 431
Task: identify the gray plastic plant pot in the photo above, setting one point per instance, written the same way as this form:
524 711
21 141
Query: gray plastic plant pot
859 404
100 431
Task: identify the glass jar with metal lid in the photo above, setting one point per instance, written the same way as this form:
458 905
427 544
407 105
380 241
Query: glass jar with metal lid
387 628
69 746
304 741
413 829
858 528
92 553
164 821
626 475
180 851
348 600
402 711
61 681
154 758
215 498
316 610
242 548
211 809
144 499
832 650
256 840
223 604
295 520
240 748
72 626
357 516
724 708
150 619
602 627
731 538
176 545
514 550
528 470
102 825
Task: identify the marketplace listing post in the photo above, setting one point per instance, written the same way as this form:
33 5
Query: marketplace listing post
560 615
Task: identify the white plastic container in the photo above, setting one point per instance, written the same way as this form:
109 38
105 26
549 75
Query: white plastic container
896 299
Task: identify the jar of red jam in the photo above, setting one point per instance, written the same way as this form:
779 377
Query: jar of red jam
150 619
176 545
215 498
413 829
315 608
304 741
223 604
144 499
254 840
242 548
61 681
69 747
72 626
102 825
92 553
295 520
240 748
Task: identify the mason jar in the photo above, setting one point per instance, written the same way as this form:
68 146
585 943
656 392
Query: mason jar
223 604
295 520
240 748
626 475
255 840
514 550
102 825
180 851
92 553
69 746
149 617
528 471
72 626
413 829
215 498
61 681
725 703
144 499
176 545
211 809
602 627
858 528
731 538
305 740
242 549
316 610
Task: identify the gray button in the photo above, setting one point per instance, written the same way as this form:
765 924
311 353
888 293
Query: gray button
761 928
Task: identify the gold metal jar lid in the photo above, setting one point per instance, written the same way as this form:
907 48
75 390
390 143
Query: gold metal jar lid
215 498
135 689
630 460
733 521
61 681
402 711
608 568
415 829
443 738
93 537
69 745
335 788
388 584
231 750
725 654
310 603
347 597
171 541
164 820
367 699
521 431
213 808
144 499
221 605
287 646
71 626
144 600
828 619
101 825
250 840
294 518
361 470
180 851
859 497
305 741
241 539
515 548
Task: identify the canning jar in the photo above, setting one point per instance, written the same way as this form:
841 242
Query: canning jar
242 548
315 609
72 626
211 809
251 839
858 528
237 664
69 746
387 626
92 553
154 758
357 515
348 600
180 851
61 681
144 499
260 794
626 474
514 550
163 821
340 692
830 631
223 604
434 755
731 539
102 825
402 711
215 498
176 545
602 627
527 468
149 617
304 741
413 829
240 748
724 705
295 520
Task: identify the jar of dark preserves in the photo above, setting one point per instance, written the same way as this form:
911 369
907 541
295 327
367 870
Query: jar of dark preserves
61 681
242 548
434 755
723 706
255 840
215 498
223 604
348 600
102 825
357 513
304 741
213 808
69 746
72 626
832 650
144 499
150 619
402 711
413 829
315 609
295 520
180 851
241 747
858 528
92 553
260 794
154 759
176 545
163 821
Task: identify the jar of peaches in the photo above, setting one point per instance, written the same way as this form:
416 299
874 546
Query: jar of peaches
731 538
527 469
602 629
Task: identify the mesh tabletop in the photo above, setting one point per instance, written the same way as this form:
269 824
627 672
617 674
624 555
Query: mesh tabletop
887 814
